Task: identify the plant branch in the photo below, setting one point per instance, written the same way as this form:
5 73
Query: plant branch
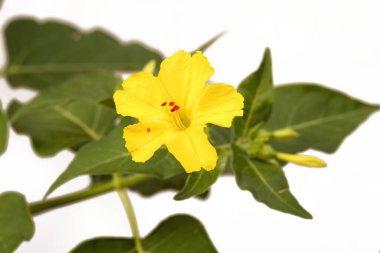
40 207
123 195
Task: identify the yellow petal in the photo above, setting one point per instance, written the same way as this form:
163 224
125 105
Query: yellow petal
184 77
218 104
192 149
144 138
141 97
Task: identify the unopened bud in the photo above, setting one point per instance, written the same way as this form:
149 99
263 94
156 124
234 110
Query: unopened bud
285 134
150 66
303 160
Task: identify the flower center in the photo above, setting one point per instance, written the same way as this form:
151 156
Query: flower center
179 117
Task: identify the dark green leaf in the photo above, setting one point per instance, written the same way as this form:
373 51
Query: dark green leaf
156 185
16 224
44 54
177 234
109 155
266 182
3 131
209 43
257 90
322 117
199 182
220 136
67 115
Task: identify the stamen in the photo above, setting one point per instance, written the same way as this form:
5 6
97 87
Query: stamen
171 103
148 129
164 103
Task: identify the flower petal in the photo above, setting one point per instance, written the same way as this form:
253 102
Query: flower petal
184 77
144 138
141 97
192 149
218 104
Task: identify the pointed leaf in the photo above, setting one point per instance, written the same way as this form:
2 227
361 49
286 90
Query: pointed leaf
67 115
16 224
257 90
322 117
41 54
199 182
109 155
266 182
209 43
177 234
3 131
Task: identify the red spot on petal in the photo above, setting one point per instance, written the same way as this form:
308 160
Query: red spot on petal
176 107
164 103
171 103
148 129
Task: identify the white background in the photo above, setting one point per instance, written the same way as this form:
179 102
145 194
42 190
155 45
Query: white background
336 43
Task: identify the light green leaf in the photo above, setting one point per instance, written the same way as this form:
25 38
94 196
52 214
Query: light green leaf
322 117
67 115
109 155
16 224
266 182
177 234
199 182
3 131
257 90
41 54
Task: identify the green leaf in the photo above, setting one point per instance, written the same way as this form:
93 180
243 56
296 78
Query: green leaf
266 182
16 224
3 131
67 115
257 90
41 54
109 155
220 136
156 185
199 182
323 117
209 43
177 234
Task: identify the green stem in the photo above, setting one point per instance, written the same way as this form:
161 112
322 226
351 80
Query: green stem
129 211
53 203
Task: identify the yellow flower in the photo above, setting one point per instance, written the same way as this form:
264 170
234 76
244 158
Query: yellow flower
174 108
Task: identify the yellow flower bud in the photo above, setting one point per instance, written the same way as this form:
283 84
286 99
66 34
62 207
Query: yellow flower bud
285 134
150 66
303 160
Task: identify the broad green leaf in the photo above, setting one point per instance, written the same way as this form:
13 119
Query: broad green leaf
266 182
323 117
67 115
41 54
3 131
209 43
156 185
177 234
257 90
199 182
16 224
220 136
109 155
